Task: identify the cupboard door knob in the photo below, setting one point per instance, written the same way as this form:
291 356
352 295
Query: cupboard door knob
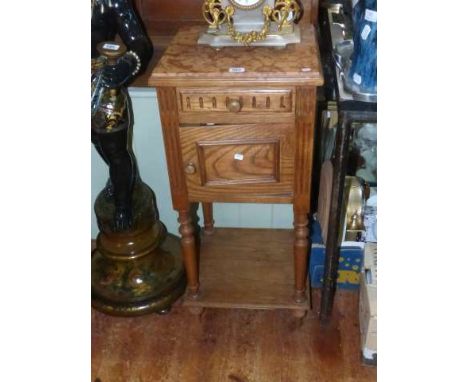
190 168
234 105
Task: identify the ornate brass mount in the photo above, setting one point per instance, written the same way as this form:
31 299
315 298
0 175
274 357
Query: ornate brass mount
284 13
252 36
112 104
214 13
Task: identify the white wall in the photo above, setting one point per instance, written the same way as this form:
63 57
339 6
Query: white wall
149 151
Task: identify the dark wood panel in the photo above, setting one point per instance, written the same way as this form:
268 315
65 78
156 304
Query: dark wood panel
163 17
166 17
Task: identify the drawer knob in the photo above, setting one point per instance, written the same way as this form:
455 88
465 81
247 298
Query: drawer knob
234 105
190 168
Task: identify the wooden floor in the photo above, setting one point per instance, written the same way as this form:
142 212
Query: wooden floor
231 345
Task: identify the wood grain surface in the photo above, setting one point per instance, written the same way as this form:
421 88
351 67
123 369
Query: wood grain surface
247 268
229 160
184 59
163 18
324 197
239 161
167 102
266 168
230 345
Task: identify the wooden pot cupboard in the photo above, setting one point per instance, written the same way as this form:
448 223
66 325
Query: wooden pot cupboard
238 126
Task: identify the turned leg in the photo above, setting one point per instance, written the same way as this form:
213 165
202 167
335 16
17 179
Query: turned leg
195 310
301 251
189 253
208 218
299 313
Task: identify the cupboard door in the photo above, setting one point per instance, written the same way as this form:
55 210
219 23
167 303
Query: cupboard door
236 162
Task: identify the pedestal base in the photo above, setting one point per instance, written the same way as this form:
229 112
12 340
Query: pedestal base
130 287
136 271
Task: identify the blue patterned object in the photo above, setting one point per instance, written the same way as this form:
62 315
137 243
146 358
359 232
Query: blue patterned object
350 262
363 71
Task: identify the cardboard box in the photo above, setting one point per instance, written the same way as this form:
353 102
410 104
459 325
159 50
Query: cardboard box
368 303
350 261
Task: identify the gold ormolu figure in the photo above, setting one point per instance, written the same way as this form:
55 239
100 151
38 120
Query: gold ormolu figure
282 12
285 12
213 13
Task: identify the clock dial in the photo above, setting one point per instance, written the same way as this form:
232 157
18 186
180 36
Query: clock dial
246 4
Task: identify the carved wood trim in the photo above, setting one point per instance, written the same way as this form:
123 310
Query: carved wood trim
203 100
170 127
305 114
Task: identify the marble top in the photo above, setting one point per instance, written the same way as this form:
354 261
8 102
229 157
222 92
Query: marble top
186 60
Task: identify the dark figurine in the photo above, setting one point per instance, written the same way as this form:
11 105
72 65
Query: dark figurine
109 18
136 267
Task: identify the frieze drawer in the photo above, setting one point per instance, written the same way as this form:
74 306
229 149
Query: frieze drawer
236 100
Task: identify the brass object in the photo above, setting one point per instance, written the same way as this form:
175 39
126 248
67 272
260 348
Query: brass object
234 105
246 7
247 38
111 109
355 206
112 103
213 13
98 63
190 168
355 202
283 13
112 51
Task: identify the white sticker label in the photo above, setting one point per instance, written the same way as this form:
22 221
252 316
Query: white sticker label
365 32
237 70
306 69
357 78
111 46
371 15
238 156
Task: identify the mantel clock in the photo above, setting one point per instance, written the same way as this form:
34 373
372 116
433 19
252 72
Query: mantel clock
251 22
